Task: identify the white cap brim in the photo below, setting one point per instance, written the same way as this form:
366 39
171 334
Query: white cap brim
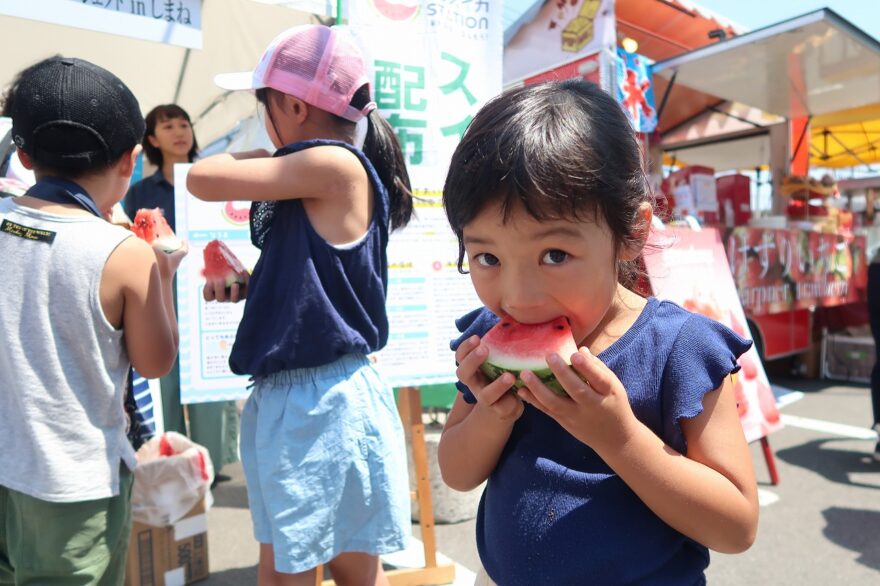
243 80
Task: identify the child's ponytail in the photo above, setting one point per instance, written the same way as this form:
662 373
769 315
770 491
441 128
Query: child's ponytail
383 149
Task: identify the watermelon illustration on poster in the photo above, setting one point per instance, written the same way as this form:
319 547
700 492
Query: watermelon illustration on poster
690 268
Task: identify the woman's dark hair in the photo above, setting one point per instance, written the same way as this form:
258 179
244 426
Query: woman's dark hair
161 114
382 149
562 150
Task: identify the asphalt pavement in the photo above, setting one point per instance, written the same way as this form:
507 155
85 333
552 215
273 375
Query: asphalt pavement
820 525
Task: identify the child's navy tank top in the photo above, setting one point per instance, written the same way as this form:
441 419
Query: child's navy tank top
309 302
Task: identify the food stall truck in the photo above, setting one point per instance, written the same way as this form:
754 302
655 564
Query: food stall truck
780 100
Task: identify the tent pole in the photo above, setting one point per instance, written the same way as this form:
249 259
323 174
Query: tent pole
180 77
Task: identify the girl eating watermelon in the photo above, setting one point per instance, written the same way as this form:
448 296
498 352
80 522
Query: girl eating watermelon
321 442
620 460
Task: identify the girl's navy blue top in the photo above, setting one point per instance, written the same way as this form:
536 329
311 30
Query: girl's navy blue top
309 302
553 512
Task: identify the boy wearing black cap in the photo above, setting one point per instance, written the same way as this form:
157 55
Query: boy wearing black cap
82 301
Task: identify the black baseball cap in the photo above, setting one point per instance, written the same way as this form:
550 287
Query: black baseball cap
69 114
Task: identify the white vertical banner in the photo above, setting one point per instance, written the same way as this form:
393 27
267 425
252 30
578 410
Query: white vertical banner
433 64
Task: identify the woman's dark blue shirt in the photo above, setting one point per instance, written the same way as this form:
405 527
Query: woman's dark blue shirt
151 192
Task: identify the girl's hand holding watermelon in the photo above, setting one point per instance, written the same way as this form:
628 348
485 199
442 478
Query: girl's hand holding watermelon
217 289
493 417
226 278
492 396
597 412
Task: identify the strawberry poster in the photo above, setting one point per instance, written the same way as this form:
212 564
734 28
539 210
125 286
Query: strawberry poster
690 268
207 329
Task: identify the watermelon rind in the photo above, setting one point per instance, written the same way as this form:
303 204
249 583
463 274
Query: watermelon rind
493 371
168 245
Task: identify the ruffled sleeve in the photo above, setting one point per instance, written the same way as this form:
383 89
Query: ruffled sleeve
704 352
476 322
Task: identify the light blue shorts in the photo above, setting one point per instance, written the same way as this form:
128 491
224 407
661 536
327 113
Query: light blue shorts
324 457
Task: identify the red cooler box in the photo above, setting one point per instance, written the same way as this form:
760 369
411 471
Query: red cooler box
734 200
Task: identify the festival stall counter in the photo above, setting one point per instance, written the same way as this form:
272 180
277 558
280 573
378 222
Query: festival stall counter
796 273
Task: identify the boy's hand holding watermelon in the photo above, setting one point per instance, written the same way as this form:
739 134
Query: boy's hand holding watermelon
150 225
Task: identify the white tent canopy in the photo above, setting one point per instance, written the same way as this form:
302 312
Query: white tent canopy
814 64
234 34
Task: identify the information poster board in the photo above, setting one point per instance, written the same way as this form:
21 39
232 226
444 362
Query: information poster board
426 293
207 329
690 268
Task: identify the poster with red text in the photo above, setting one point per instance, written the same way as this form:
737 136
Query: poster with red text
690 268
783 269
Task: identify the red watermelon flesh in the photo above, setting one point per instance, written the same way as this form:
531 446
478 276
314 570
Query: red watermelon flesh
221 263
514 347
151 225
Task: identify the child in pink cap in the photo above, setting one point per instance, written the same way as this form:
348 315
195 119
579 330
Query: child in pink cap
321 442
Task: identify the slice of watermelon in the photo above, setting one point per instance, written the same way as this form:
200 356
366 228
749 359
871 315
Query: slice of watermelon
151 225
221 263
514 347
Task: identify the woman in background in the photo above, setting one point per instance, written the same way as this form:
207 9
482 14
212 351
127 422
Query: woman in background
169 140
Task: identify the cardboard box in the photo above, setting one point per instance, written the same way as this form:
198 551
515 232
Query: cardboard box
849 358
169 556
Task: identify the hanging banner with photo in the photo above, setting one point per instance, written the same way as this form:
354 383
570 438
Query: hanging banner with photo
434 63
560 32
175 22
690 268
634 89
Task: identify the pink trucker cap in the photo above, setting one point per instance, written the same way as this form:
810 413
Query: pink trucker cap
318 64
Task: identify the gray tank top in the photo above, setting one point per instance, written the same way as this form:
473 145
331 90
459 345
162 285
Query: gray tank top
63 366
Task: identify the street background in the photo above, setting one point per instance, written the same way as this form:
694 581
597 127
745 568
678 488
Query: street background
819 525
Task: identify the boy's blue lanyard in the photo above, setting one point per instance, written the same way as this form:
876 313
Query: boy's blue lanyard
59 190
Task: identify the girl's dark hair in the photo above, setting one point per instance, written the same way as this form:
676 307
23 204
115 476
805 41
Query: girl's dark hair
562 150
154 117
382 149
